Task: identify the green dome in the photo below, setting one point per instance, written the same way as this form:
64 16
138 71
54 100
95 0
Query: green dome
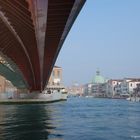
98 79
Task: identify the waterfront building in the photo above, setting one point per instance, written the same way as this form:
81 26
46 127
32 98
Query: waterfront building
97 88
129 85
137 91
76 89
87 89
6 86
113 87
2 84
122 87
125 87
7 90
55 80
98 79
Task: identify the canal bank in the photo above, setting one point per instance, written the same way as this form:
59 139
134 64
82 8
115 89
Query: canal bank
28 101
33 98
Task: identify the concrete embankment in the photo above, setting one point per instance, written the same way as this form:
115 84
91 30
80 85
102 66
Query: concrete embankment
34 98
28 101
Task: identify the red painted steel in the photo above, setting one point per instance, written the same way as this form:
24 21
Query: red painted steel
30 33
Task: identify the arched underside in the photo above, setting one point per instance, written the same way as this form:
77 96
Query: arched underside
10 71
12 76
32 33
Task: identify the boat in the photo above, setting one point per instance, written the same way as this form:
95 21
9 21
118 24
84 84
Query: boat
133 99
128 99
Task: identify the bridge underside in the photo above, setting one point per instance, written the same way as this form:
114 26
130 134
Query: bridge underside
32 33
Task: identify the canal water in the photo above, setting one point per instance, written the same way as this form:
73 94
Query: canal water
75 119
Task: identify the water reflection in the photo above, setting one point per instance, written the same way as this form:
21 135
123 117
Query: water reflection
23 122
2 116
78 118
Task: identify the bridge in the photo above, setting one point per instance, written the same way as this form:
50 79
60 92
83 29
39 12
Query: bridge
32 33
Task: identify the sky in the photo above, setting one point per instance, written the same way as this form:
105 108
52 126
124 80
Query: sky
105 36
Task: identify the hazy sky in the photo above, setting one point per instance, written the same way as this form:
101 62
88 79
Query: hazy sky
106 35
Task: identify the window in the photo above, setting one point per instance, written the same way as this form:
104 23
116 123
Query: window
58 73
53 74
52 83
114 88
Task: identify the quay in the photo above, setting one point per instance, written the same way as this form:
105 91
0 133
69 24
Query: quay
28 101
34 98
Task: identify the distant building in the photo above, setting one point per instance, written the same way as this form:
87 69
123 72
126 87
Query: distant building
99 90
75 89
137 91
55 80
98 79
113 87
129 85
97 87
122 87
2 84
6 86
87 89
7 90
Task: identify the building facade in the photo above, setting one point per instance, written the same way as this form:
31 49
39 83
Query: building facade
122 87
113 87
55 80
75 90
87 89
2 84
97 88
130 84
6 86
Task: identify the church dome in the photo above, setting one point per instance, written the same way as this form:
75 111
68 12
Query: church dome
98 79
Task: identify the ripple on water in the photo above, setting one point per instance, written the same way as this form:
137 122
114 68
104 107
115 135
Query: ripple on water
77 118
